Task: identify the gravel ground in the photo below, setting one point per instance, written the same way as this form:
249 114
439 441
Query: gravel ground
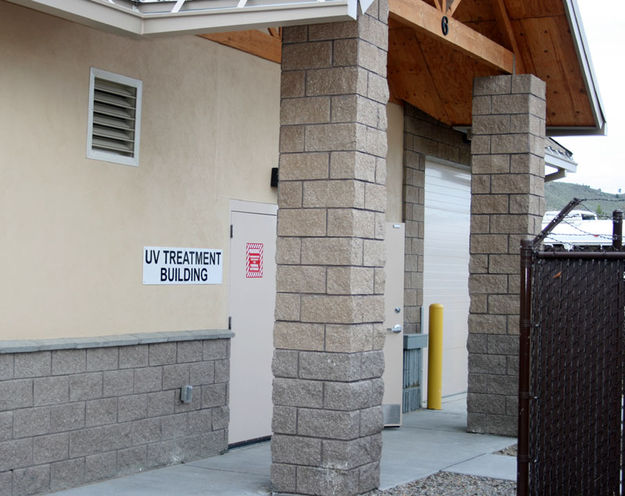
450 484
509 451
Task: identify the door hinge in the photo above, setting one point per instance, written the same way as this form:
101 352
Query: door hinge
229 323
231 231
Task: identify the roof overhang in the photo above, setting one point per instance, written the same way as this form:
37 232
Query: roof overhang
161 17
583 54
560 158
433 68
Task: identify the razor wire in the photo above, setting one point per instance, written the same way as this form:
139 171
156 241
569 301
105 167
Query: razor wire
576 238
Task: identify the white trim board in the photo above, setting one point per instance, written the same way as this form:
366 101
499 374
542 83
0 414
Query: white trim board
194 16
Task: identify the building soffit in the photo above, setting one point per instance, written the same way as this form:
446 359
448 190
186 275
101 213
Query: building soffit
438 47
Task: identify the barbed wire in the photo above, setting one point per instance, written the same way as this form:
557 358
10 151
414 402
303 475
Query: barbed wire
600 216
577 243
601 236
562 240
576 237
598 236
605 199
583 232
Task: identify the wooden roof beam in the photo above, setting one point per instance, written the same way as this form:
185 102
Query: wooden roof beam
427 19
504 19
264 45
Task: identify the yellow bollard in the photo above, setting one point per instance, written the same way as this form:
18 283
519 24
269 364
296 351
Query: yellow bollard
435 357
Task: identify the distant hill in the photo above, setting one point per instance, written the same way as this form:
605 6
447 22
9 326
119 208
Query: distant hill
558 194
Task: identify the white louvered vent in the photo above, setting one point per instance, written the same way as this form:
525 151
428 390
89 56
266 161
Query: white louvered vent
114 118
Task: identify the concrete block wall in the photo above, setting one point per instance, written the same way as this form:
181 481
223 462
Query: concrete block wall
507 205
423 137
328 335
69 417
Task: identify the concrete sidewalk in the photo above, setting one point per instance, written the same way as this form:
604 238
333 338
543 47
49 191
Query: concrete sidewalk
427 442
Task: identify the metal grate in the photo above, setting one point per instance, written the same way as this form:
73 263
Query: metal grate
114 117
577 372
413 360
114 111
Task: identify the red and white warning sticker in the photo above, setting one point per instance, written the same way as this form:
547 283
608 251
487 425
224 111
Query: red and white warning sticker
254 260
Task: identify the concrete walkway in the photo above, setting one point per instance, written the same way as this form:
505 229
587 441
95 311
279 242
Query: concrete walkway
427 442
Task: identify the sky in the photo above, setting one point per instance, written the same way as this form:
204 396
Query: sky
601 159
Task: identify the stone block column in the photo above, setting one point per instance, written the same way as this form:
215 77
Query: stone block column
328 335
507 204
413 215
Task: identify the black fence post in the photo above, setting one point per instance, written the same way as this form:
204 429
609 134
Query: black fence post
617 229
524 368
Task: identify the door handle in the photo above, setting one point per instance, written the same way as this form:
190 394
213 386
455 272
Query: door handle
395 329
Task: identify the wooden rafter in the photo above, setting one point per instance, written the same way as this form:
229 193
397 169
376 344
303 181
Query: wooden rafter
265 45
504 20
445 8
454 6
275 32
427 19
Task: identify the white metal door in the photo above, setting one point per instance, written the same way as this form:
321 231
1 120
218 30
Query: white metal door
446 265
393 323
252 301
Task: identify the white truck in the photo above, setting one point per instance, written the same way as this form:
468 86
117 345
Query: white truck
579 228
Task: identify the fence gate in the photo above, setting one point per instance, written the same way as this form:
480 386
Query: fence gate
571 372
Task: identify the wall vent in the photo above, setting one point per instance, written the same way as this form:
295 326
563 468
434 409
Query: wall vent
114 118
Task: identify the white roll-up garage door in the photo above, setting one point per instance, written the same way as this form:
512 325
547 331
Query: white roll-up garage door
446 264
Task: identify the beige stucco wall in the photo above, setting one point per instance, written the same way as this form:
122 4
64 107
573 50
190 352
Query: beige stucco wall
394 162
72 230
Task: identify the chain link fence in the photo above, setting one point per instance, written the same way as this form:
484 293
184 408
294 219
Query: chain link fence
572 369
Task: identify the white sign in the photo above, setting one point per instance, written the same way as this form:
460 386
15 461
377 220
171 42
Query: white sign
163 265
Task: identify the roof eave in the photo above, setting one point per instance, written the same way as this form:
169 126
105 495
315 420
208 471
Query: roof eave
590 81
559 163
577 130
110 17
